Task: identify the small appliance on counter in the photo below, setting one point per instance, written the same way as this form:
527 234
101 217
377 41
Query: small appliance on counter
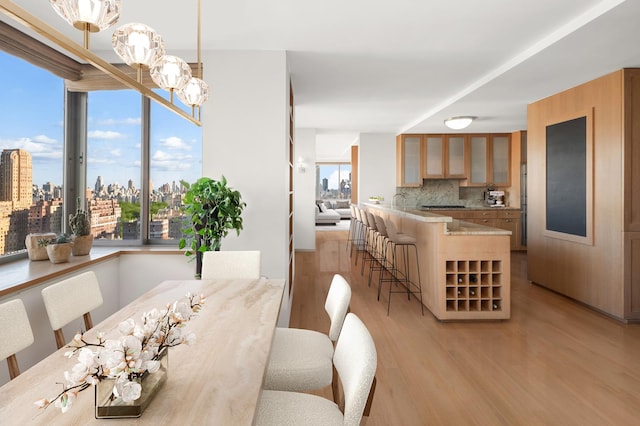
495 198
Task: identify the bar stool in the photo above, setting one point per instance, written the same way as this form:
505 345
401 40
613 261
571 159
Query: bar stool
381 243
352 230
397 240
361 234
369 254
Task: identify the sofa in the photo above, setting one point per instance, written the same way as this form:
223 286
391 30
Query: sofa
342 207
326 216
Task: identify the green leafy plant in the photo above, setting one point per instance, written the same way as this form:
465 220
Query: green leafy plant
212 209
59 239
80 223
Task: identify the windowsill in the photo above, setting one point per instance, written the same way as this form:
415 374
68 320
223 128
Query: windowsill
24 273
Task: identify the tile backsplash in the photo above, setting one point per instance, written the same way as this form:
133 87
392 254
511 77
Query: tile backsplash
443 191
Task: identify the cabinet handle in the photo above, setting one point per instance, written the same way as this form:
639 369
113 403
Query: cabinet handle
486 220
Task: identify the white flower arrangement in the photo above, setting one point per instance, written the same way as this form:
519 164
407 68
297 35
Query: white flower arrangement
135 353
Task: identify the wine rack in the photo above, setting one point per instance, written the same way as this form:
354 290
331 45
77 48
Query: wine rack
474 285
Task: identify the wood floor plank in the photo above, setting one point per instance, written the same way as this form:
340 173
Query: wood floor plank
555 362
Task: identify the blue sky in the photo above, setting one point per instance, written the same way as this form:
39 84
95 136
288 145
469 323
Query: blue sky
32 118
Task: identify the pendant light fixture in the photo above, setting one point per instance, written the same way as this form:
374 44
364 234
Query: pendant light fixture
89 16
196 91
138 45
170 73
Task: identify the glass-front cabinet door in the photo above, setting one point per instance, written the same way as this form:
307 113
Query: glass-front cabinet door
500 160
478 169
409 155
434 155
455 157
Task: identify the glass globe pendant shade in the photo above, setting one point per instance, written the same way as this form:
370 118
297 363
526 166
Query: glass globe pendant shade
137 44
194 93
91 15
170 73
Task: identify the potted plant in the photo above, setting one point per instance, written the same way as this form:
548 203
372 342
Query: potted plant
81 229
35 249
212 209
58 248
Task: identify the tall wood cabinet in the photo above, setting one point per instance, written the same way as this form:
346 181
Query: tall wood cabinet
489 160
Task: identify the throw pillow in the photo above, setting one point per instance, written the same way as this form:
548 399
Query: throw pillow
322 207
342 204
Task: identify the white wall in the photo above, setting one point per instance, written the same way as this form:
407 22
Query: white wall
304 231
245 138
376 166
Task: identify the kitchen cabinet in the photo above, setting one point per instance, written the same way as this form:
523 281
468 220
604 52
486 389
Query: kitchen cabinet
409 160
509 220
489 161
444 157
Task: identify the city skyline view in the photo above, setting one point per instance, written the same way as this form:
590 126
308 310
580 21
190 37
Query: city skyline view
35 124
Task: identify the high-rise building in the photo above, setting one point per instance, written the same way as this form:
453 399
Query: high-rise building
99 185
16 178
16 197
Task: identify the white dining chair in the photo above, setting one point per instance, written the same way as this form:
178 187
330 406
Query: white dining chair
302 360
231 264
69 299
355 360
15 333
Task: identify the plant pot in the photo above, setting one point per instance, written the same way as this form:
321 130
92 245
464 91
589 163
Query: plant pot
35 251
82 245
59 253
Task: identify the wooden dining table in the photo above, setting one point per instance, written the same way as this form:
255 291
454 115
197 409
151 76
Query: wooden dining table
215 381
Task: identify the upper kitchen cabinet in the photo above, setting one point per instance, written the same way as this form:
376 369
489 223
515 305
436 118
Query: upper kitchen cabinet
489 160
409 155
444 157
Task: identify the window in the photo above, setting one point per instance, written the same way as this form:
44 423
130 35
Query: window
175 155
123 160
31 146
114 150
333 181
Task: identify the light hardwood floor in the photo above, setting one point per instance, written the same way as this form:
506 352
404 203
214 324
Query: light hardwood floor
555 362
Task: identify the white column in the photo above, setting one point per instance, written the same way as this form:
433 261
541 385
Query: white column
245 125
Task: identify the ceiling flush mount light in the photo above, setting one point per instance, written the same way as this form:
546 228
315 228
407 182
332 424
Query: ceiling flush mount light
458 123
138 45
89 16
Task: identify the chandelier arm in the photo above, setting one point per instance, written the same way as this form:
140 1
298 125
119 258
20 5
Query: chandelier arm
23 17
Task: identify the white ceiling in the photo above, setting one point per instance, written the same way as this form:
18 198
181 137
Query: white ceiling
362 66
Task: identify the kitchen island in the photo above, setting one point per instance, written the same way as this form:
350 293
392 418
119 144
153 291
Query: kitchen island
464 267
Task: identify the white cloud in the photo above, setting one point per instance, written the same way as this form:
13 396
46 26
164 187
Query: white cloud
44 139
164 161
174 142
105 134
37 149
116 152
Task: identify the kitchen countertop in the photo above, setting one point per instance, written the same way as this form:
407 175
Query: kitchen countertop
452 226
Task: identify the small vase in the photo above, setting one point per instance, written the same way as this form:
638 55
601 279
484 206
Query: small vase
107 406
59 253
82 245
